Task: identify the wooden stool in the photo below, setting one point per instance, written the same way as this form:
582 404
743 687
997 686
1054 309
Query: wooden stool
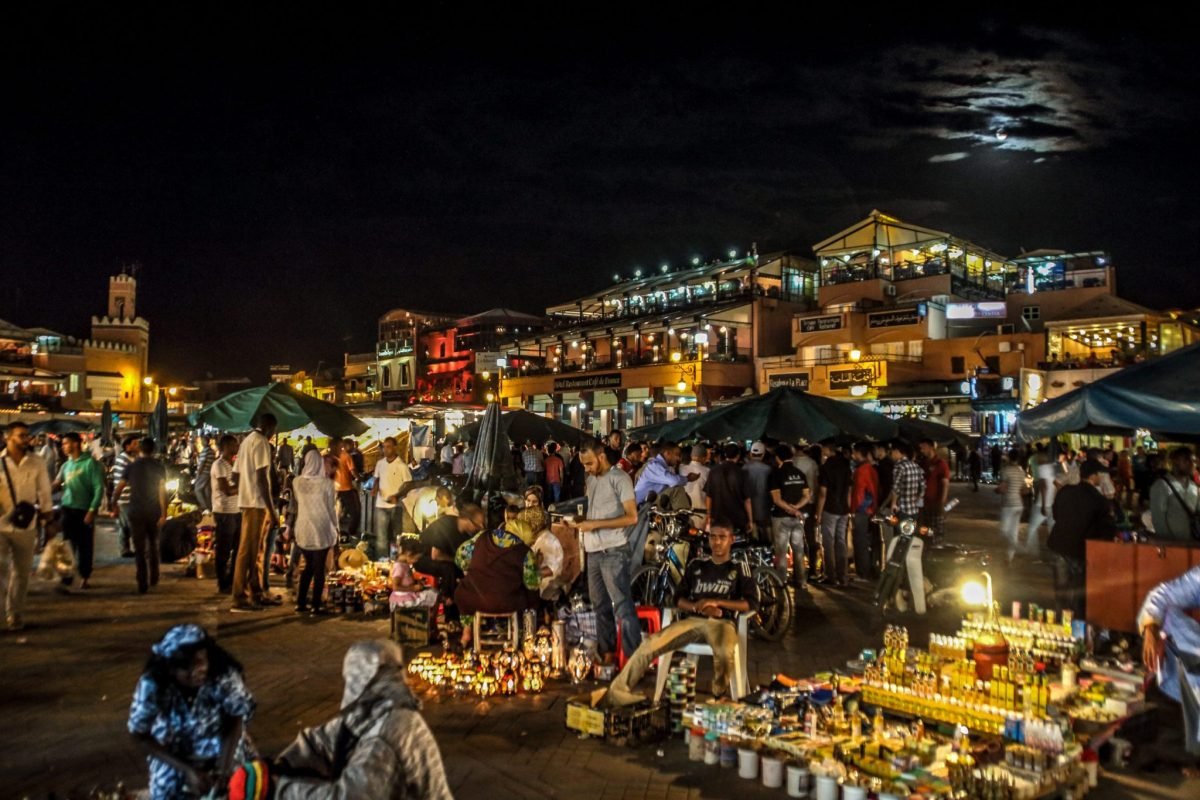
650 618
514 631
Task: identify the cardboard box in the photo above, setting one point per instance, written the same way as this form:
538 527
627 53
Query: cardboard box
410 627
623 725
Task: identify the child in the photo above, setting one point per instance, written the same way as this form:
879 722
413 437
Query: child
407 591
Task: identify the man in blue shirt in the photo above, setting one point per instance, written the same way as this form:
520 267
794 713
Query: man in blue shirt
661 473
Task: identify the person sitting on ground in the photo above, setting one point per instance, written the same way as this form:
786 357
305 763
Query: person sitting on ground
501 571
407 591
377 745
189 711
713 591
1171 649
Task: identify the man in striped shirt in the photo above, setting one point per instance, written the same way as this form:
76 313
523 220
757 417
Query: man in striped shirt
202 483
120 464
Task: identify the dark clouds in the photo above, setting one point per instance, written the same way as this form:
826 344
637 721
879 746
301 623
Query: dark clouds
280 197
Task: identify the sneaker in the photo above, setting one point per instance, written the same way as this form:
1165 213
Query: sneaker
245 608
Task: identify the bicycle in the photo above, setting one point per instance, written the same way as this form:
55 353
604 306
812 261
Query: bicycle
655 584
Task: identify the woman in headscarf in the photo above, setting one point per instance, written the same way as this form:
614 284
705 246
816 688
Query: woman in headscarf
190 709
316 528
378 745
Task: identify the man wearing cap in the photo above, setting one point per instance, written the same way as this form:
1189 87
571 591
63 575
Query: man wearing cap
660 473
758 486
1080 513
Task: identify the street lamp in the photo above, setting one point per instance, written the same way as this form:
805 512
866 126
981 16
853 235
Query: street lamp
148 381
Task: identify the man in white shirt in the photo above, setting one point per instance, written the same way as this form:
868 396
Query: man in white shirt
227 515
391 473
697 466
257 505
1045 474
1175 499
24 479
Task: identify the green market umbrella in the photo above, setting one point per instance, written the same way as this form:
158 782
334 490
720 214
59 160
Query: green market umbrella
522 426
240 410
786 414
59 426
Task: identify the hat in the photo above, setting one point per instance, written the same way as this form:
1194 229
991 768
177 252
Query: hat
177 638
758 450
352 559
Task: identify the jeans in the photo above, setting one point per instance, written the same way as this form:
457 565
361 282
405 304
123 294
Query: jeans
387 529
268 549
812 543
721 635
144 532
351 511
203 493
788 533
1010 528
82 538
247 575
16 563
533 478
866 551
608 587
555 491
123 526
1070 584
225 545
833 538
314 573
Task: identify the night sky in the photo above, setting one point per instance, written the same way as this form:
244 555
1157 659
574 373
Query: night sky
282 183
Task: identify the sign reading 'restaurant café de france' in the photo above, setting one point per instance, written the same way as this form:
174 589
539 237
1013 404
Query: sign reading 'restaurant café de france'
608 380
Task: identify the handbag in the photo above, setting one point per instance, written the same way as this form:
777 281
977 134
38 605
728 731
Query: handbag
23 512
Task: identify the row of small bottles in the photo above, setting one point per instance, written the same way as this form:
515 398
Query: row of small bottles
953 648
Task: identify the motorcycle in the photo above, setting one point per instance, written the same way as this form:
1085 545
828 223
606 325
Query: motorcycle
933 569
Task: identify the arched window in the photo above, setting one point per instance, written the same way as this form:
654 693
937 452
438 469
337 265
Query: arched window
387 376
442 350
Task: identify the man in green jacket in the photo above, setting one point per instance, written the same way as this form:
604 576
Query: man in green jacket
81 479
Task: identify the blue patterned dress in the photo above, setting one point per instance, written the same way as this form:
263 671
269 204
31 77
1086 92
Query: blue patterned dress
189 728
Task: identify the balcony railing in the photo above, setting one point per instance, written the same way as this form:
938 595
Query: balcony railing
844 358
696 299
608 366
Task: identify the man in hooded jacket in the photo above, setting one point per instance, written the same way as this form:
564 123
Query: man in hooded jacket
378 745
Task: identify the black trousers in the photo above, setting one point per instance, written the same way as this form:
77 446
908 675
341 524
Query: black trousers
225 545
812 543
144 532
82 538
351 511
448 575
314 574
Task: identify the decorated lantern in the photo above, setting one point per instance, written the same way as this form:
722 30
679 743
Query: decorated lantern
533 679
580 664
486 684
558 648
529 646
508 682
543 645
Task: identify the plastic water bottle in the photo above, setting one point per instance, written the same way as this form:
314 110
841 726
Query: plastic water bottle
951 505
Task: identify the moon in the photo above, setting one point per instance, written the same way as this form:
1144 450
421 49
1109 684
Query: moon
1001 135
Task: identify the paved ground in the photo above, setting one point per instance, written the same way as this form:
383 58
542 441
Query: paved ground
65 685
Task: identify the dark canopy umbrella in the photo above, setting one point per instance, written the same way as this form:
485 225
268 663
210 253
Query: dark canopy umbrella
106 422
1158 395
492 466
292 409
522 426
786 414
158 420
914 430
59 426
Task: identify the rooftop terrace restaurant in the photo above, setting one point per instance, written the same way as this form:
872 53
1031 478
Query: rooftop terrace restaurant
882 247
1052 270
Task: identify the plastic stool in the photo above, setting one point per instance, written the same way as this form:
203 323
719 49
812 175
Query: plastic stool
514 631
650 618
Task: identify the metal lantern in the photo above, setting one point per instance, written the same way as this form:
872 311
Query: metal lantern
508 682
580 664
534 678
558 648
486 684
529 646
544 645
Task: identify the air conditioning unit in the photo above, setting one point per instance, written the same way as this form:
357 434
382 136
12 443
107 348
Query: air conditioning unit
889 290
1006 328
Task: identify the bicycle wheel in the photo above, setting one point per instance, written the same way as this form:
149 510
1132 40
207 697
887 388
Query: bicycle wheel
643 587
775 607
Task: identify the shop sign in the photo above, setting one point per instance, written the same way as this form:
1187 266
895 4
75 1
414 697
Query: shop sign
792 380
910 408
609 380
892 319
818 324
992 310
486 362
854 376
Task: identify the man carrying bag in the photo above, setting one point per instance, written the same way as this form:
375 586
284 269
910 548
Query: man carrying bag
1175 499
24 498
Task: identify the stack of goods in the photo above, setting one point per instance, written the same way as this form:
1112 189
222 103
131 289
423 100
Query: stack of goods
484 674
360 585
681 691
